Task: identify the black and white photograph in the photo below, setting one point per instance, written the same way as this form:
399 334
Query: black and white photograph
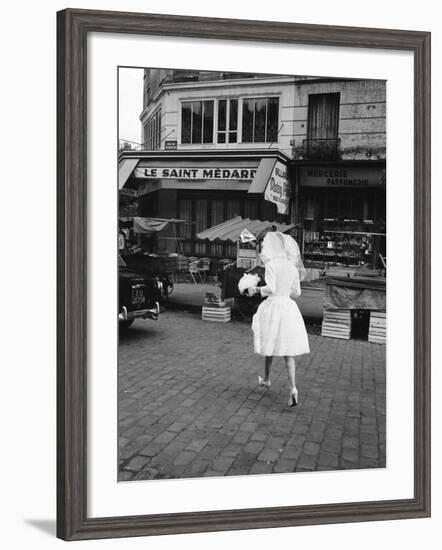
252 273
227 336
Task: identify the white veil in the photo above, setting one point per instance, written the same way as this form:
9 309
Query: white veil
279 245
273 247
294 255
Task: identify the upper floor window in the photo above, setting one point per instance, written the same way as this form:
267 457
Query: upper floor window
152 132
260 120
323 126
197 122
323 116
227 121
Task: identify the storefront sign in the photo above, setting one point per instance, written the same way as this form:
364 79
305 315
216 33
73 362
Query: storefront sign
171 145
342 176
278 189
196 173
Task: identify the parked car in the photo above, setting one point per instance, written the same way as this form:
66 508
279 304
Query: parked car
139 295
150 267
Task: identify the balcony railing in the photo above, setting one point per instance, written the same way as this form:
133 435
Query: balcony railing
321 149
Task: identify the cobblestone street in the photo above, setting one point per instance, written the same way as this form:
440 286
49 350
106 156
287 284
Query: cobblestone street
190 405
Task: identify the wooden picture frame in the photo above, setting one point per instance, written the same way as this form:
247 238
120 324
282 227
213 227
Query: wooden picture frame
73 27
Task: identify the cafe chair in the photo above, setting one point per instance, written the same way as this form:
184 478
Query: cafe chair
194 270
204 267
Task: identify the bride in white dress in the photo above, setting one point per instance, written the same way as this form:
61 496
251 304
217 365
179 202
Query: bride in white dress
278 326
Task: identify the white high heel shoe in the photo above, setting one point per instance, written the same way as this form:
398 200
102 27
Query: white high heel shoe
263 382
293 398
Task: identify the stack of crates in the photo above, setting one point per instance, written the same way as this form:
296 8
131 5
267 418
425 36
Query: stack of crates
215 309
377 332
336 323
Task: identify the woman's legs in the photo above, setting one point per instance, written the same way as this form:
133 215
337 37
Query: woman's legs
267 367
290 364
266 380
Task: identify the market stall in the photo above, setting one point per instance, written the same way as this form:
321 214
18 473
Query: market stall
247 235
355 306
143 245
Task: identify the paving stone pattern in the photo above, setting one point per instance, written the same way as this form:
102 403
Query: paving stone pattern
190 405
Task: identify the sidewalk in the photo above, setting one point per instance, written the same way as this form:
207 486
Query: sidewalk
190 406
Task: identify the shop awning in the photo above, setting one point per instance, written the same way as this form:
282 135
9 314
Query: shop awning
262 175
247 173
125 169
231 229
153 225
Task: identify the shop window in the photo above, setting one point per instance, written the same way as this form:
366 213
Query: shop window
152 132
251 209
341 206
331 206
227 121
357 207
200 212
269 211
200 215
309 208
197 122
344 206
184 230
230 250
260 120
217 212
216 249
233 208
216 216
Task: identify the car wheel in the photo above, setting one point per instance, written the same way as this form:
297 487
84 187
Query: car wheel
124 325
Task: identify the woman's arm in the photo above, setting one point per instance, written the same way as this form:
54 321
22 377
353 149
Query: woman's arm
296 286
270 279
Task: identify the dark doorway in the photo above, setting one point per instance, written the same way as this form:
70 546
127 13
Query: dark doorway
360 321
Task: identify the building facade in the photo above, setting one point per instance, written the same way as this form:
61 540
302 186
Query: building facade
304 150
339 160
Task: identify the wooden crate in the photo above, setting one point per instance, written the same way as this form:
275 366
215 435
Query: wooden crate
336 323
217 314
213 299
377 331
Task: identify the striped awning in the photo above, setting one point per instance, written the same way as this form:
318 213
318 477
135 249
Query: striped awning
231 229
125 169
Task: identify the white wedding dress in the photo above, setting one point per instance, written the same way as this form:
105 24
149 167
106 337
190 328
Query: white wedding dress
278 326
